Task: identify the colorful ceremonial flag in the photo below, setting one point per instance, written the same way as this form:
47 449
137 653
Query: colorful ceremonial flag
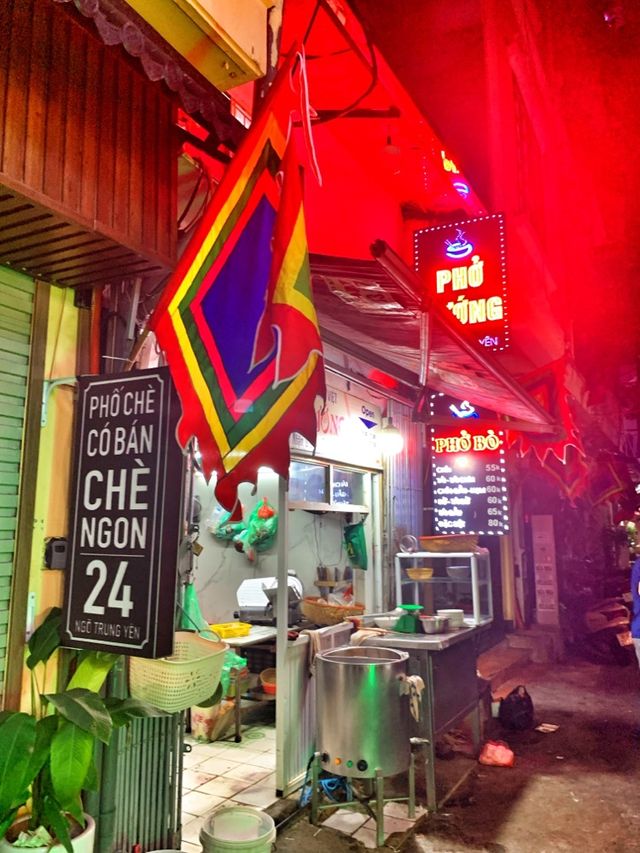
237 321
570 475
609 479
547 386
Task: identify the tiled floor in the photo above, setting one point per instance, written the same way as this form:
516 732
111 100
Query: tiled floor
359 825
226 773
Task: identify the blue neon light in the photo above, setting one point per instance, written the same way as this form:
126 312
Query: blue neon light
458 248
461 188
464 410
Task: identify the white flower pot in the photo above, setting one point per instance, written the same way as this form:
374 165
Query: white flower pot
82 843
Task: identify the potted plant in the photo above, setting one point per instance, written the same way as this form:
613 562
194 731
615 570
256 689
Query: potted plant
47 756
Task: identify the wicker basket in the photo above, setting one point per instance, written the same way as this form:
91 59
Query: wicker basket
189 676
328 614
450 543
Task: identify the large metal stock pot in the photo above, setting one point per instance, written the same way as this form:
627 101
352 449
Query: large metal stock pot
362 717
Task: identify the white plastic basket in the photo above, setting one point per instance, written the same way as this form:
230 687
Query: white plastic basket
189 676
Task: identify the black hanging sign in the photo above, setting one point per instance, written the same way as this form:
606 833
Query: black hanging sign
468 470
125 515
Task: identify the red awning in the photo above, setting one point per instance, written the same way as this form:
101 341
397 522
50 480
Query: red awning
373 308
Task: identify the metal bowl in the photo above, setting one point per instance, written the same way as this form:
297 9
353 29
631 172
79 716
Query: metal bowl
434 624
459 573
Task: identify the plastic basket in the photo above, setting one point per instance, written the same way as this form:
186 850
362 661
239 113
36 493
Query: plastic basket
449 543
231 629
328 614
189 676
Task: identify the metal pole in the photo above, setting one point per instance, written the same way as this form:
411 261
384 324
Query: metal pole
107 822
412 787
282 623
315 774
379 807
475 590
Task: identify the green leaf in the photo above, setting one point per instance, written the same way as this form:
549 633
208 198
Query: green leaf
17 740
75 810
45 730
45 639
54 817
4 715
123 711
91 783
71 755
85 709
93 670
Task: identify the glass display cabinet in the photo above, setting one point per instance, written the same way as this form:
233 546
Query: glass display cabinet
438 581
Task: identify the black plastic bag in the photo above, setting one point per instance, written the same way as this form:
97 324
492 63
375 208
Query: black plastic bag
516 710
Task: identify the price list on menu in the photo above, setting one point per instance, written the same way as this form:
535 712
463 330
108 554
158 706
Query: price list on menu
469 483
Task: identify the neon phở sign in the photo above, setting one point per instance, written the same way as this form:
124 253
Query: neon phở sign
463 267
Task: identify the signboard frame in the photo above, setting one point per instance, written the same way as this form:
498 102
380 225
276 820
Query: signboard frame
468 473
463 267
126 511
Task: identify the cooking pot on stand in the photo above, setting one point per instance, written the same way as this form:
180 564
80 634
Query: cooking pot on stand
362 716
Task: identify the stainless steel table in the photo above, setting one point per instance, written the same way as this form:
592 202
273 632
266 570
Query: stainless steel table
447 665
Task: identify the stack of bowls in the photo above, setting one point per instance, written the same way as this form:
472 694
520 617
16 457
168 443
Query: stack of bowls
455 618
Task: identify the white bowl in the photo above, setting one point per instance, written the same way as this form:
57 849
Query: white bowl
386 621
455 617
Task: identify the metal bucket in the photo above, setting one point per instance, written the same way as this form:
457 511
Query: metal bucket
362 718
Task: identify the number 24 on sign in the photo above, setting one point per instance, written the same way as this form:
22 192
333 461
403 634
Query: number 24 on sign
119 596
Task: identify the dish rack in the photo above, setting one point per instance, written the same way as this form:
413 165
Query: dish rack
187 677
459 580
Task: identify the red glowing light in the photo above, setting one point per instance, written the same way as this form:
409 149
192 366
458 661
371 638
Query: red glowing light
382 379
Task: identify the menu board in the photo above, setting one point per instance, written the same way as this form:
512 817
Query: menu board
469 478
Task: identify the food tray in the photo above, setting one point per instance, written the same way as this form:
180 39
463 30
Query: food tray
450 543
231 629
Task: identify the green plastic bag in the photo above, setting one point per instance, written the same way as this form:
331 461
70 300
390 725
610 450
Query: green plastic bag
356 545
226 530
231 661
261 530
191 618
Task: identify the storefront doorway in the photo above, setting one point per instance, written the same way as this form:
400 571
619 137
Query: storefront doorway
326 495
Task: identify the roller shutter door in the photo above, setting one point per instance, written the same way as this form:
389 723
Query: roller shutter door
16 310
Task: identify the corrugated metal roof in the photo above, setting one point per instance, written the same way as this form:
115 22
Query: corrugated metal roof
361 307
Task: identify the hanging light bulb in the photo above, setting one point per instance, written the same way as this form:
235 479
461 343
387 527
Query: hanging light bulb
390 438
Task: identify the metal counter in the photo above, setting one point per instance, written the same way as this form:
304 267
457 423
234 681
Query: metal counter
447 665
